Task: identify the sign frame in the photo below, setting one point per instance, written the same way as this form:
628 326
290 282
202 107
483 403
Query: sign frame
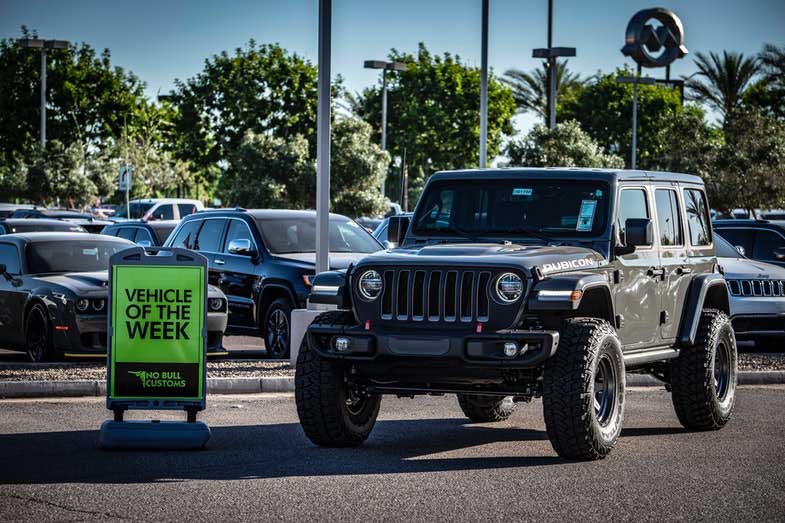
156 257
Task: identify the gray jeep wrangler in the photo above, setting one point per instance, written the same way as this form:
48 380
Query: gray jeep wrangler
512 284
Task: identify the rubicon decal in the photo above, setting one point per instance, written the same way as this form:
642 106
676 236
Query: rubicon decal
565 265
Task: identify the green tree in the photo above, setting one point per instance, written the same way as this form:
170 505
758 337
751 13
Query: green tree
604 110
721 80
688 145
56 175
566 146
262 89
768 94
530 89
357 167
88 100
434 113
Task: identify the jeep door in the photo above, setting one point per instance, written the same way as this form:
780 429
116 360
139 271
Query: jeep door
677 275
13 297
700 242
238 274
636 295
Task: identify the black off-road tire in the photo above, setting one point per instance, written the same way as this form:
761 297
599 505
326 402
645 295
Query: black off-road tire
321 396
701 399
38 334
588 348
278 329
483 409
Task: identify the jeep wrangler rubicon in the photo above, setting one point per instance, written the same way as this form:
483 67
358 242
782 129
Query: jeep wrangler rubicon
513 284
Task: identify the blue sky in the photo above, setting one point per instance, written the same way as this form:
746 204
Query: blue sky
166 39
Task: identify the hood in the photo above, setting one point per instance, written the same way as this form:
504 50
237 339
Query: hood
80 282
744 268
549 259
338 260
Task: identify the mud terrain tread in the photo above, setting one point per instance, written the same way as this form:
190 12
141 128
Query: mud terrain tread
484 409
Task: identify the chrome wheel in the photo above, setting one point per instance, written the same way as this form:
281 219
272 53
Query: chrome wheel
277 333
722 370
605 390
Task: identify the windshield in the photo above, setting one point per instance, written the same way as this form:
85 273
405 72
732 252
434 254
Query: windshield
71 256
724 248
293 235
511 208
138 210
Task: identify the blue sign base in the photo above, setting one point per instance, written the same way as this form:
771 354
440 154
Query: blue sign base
153 435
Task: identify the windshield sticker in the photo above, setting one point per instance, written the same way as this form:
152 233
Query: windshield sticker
522 191
586 216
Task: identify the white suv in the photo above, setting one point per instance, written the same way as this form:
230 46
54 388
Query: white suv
152 209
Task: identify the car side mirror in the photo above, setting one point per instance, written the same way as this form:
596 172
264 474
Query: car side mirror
4 272
638 232
241 247
144 243
396 229
779 253
741 250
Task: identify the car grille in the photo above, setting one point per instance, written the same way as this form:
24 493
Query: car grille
436 295
756 287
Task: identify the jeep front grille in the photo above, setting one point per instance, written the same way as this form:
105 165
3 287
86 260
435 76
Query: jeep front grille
760 288
435 295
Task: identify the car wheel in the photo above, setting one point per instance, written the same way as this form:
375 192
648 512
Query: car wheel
482 408
583 390
37 334
277 328
703 377
331 412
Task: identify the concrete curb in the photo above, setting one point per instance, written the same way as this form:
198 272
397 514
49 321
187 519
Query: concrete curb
62 389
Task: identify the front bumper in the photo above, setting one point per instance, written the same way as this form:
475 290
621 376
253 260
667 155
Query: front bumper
469 349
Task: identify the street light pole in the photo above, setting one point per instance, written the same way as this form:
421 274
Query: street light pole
43 45
384 109
551 54
323 140
484 87
635 80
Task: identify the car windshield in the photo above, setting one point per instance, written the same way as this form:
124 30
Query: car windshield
725 249
138 210
71 256
509 208
293 235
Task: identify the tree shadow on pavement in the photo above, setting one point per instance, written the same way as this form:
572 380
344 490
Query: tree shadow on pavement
264 451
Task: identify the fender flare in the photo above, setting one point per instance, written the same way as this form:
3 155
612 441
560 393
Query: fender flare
693 305
558 291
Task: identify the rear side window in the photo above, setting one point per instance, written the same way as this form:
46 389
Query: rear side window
209 238
9 256
697 217
632 204
186 236
668 217
186 209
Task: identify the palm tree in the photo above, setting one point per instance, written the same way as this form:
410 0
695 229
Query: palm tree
772 60
530 89
721 80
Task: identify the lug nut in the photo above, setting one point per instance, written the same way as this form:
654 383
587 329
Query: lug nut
510 349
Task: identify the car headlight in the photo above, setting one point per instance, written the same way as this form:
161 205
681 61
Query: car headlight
509 287
370 285
98 305
82 304
215 304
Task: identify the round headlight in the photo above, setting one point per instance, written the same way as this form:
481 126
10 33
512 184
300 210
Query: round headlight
82 304
216 304
509 287
370 285
98 305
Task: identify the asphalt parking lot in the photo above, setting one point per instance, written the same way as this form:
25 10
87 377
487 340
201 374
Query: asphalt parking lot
424 461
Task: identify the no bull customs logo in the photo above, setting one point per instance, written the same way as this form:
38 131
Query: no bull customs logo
159 379
654 46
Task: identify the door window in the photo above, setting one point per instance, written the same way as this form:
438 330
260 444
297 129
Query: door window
186 236
668 218
697 217
164 212
209 238
186 209
766 242
9 256
632 204
127 233
238 230
739 238
143 235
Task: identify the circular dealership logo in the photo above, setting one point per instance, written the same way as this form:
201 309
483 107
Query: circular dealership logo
654 38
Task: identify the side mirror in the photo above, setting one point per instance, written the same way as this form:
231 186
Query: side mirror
4 272
743 251
241 247
639 232
144 243
396 229
779 253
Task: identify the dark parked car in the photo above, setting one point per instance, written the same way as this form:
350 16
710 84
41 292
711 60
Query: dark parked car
264 261
7 209
146 234
79 218
15 225
54 291
761 240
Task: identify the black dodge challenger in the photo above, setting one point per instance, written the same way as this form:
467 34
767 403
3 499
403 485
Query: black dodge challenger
54 290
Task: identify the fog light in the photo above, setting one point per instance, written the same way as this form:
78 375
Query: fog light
510 349
341 344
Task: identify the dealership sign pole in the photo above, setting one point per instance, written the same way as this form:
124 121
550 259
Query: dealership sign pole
157 347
